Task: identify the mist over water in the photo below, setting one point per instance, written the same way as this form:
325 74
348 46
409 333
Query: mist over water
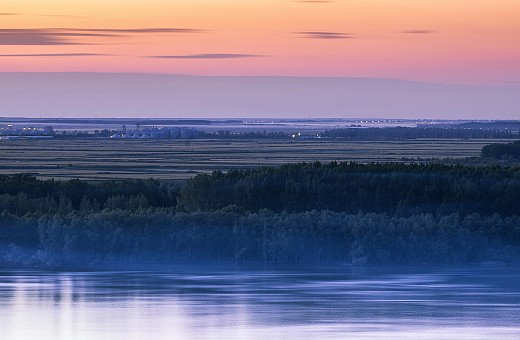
231 303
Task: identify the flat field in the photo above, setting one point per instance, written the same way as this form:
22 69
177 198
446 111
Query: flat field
90 159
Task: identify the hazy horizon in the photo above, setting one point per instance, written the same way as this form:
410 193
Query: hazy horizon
138 95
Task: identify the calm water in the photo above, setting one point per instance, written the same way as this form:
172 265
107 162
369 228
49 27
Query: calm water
332 303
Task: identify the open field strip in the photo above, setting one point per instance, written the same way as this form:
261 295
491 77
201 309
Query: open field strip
181 159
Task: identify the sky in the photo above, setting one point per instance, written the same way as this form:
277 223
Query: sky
463 41
473 43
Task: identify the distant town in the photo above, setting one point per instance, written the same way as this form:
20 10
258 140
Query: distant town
350 129
31 132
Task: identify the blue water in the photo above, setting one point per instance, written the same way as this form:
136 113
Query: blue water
231 303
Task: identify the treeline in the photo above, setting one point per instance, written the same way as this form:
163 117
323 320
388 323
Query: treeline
353 213
402 133
22 194
121 237
502 151
392 188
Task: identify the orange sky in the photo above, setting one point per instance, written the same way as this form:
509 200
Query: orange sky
462 41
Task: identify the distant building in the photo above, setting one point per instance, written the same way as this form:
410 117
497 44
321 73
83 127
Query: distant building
158 133
12 132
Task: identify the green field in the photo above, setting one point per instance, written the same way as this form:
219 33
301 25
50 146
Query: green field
180 159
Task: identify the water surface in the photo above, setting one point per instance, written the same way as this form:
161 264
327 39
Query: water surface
231 303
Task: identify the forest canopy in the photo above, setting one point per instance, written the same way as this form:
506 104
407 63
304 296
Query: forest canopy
500 151
311 212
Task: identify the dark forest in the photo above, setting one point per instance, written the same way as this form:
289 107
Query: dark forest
356 214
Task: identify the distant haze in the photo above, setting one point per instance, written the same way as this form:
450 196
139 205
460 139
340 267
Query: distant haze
107 95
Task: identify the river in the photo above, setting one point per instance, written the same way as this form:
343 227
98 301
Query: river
261 303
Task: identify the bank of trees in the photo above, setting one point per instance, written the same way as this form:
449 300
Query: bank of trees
392 188
125 237
402 133
358 214
502 151
22 194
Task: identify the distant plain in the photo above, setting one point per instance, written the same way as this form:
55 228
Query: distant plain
93 160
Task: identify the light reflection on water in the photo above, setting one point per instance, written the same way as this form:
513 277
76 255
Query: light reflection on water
336 303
